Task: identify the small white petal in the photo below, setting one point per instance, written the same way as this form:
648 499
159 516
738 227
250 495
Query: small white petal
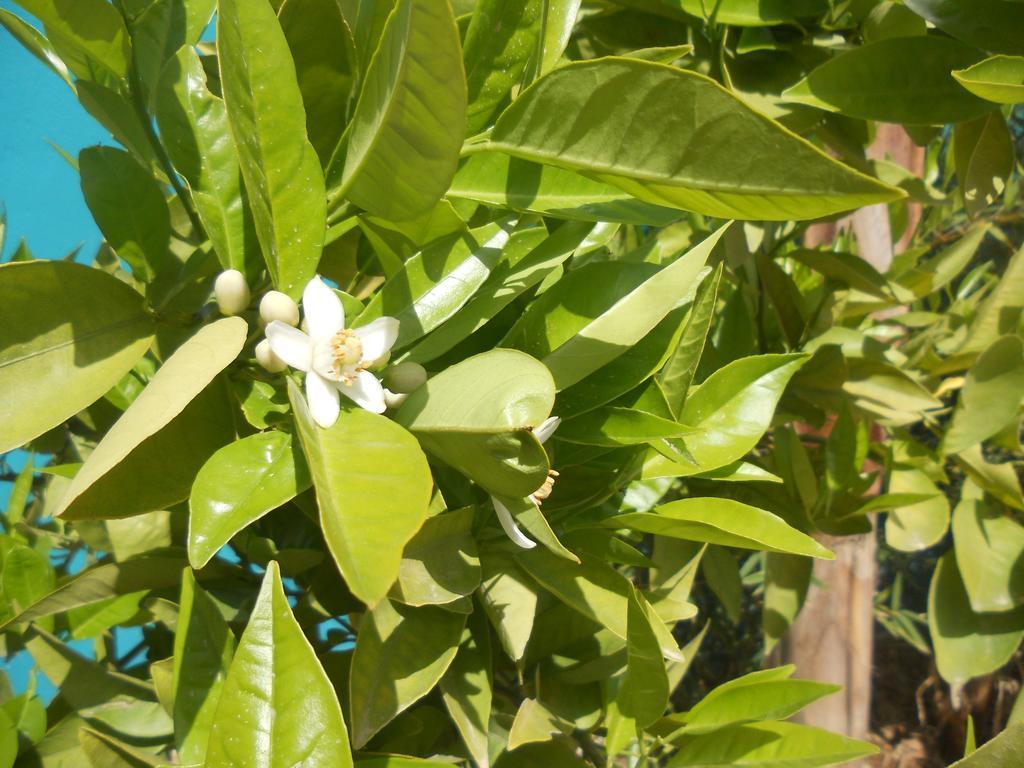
366 391
378 337
509 526
394 400
547 428
291 345
323 399
324 313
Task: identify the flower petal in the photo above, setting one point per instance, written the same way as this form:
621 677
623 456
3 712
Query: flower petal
324 314
546 428
291 345
323 399
378 337
509 526
366 391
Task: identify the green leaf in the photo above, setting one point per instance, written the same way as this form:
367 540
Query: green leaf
159 30
467 689
757 696
79 330
510 601
594 589
194 128
238 485
35 43
939 271
988 544
559 21
477 416
27 576
917 526
203 647
733 407
1005 750
401 653
515 274
677 374
618 426
775 744
173 417
999 79
283 179
325 66
722 521
900 80
89 35
786 580
500 42
115 112
277 706
129 208
440 563
991 395
643 693
984 157
511 182
575 329
967 644
436 282
411 115
372 486
105 751
600 117
754 13
988 24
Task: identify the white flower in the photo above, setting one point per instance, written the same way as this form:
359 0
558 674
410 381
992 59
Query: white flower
231 292
508 523
334 358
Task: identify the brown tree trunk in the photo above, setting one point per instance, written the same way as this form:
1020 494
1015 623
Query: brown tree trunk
832 638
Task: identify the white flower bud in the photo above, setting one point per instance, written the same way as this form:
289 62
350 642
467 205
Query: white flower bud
265 356
279 306
405 377
393 400
231 292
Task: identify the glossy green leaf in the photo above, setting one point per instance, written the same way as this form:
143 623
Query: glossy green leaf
511 182
115 112
999 79
194 127
54 363
203 647
373 486
787 578
643 693
401 653
754 13
129 208
938 271
988 24
988 544
1005 750
277 706
722 521
594 589
105 751
900 80
283 179
238 485
756 696
680 368
161 29
411 115
27 577
991 395
325 65
467 688
967 644
510 600
477 416
35 43
599 117
618 426
167 410
575 330
775 744
440 563
733 407
435 283
89 35
500 43
919 525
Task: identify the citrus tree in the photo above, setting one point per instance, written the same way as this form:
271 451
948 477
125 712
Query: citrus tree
436 352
